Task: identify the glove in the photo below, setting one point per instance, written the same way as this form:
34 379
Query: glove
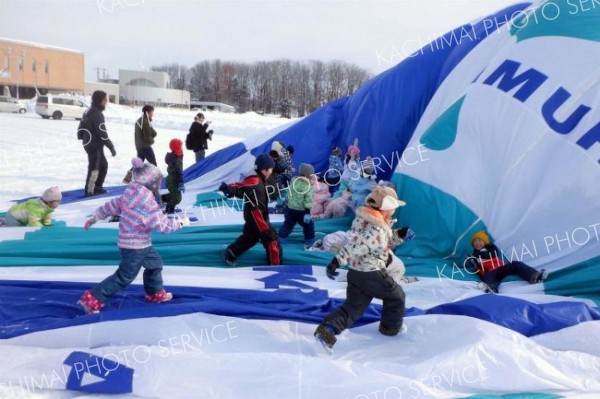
409 235
307 218
113 152
406 233
225 189
184 221
181 187
331 269
89 223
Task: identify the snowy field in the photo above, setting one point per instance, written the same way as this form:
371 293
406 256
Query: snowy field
36 153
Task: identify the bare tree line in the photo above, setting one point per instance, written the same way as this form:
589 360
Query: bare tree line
282 86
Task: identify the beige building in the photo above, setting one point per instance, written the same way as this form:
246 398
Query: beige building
25 67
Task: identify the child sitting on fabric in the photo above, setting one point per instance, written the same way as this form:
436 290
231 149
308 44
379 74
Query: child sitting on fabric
333 175
174 161
338 207
139 215
299 203
362 183
492 269
35 212
321 196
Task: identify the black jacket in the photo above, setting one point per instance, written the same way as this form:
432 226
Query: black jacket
253 191
197 137
92 130
174 168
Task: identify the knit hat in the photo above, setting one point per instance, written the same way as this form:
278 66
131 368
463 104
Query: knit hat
353 149
52 194
384 199
482 236
264 161
175 146
368 166
278 146
146 174
306 170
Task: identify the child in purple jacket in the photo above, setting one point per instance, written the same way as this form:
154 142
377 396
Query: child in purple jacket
139 215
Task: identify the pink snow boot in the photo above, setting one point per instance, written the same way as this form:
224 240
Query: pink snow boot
89 303
160 296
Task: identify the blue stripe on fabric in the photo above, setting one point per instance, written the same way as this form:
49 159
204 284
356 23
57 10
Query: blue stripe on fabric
30 306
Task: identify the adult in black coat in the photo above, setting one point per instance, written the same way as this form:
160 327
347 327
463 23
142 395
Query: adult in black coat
197 138
94 136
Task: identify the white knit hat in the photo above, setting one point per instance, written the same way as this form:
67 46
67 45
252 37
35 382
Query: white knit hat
52 194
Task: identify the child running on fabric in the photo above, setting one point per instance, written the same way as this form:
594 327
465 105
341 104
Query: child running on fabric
369 253
35 212
492 269
299 203
139 215
256 193
174 161
334 242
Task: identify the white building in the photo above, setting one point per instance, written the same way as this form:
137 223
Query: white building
211 106
142 87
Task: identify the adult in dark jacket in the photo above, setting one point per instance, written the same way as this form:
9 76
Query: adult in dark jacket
197 138
144 135
94 136
256 193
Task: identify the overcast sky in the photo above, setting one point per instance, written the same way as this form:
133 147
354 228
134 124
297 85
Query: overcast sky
133 34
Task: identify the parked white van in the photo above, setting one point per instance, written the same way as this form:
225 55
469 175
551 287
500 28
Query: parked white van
58 107
9 104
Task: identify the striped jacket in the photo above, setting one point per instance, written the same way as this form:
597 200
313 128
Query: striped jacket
140 214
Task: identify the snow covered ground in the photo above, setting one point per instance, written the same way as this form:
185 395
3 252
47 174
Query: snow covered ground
36 153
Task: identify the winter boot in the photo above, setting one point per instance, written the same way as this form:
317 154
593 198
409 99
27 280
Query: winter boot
308 243
409 279
539 277
325 335
481 286
159 297
89 303
170 209
228 256
391 332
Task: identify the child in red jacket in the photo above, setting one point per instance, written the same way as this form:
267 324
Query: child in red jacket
492 269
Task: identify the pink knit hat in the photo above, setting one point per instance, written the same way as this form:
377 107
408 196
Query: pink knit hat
146 174
353 149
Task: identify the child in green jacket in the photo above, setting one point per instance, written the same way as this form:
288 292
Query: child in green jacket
35 212
299 202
